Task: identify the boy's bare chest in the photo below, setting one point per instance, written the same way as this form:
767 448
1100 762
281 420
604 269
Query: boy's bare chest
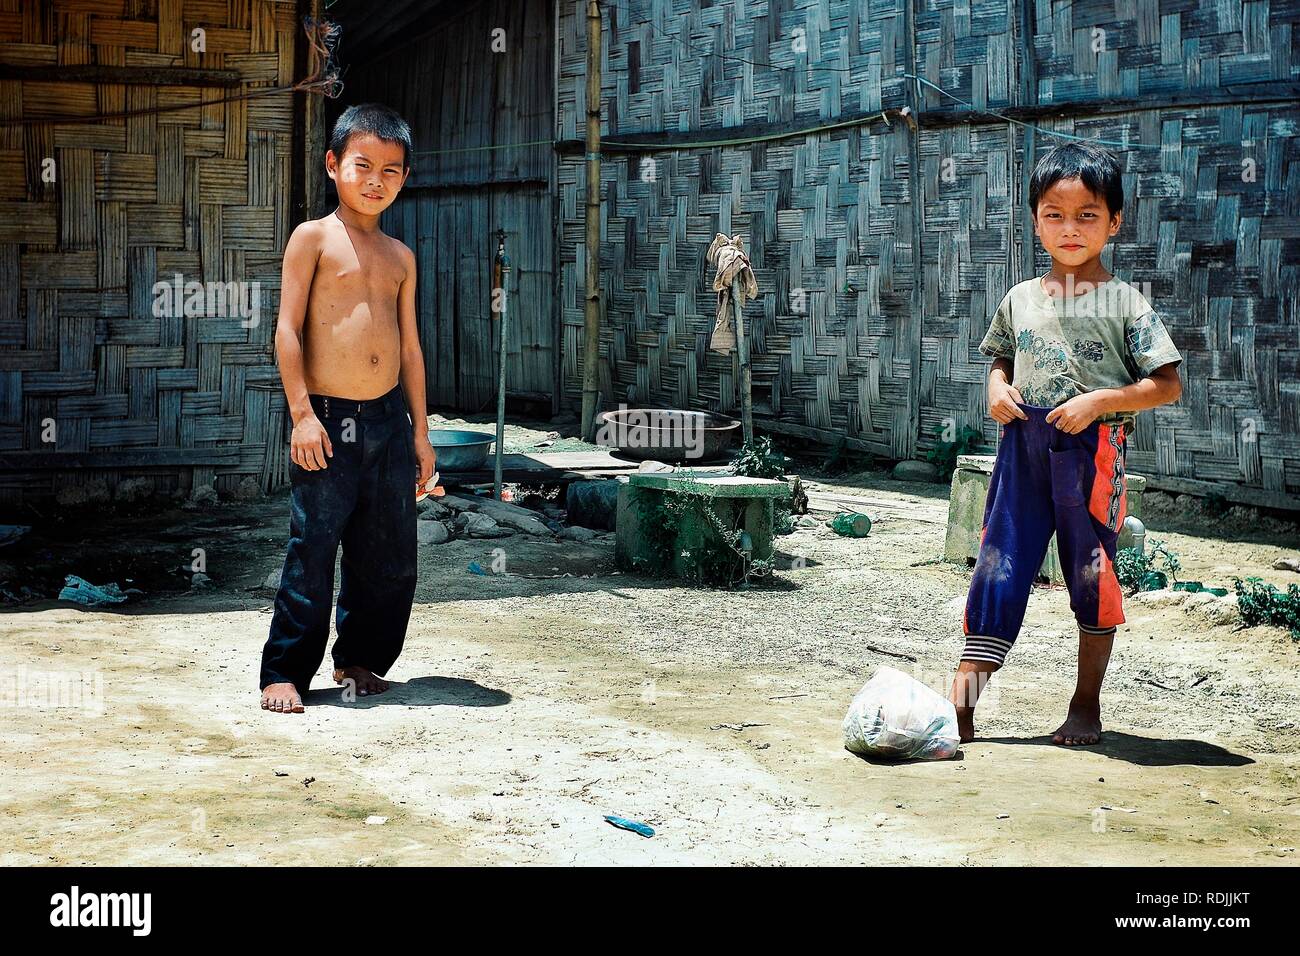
351 274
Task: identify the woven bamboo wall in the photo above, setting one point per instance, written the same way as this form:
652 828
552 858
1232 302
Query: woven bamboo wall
825 214
831 212
202 191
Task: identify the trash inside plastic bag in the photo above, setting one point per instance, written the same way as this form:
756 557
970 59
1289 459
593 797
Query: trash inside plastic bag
896 716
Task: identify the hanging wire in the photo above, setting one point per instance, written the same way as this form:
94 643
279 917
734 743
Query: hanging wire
323 36
476 149
1037 129
883 116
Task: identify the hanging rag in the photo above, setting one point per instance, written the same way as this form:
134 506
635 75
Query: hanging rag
729 255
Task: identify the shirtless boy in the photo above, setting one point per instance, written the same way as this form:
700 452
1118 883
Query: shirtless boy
351 366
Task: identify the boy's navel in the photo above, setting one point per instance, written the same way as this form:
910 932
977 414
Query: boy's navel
374 359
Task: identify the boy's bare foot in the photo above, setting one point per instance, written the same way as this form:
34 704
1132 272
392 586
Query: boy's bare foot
366 683
966 724
282 698
1083 722
966 686
1082 725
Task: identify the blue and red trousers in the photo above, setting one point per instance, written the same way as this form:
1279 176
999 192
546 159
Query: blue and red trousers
1046 481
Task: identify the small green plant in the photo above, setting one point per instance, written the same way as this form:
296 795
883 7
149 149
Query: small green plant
661 517
1261 603
1137 571
840 459
944 454
759 459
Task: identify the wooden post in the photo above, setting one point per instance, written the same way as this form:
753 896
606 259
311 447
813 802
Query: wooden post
314 132
742 349
1027 90
591 313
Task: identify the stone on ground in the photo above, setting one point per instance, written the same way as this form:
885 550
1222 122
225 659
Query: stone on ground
593 504
248 489
477 525
915 471
432 532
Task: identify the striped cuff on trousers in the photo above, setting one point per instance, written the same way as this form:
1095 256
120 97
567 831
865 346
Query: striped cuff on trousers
1099 631
991 649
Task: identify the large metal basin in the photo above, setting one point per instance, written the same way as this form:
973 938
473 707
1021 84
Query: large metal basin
460 450
666 434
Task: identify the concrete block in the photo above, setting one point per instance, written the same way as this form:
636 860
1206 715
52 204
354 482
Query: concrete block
746 503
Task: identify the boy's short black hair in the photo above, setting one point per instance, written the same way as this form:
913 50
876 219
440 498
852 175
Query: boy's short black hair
375 119
1096 168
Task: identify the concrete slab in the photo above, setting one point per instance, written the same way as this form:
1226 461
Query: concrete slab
718 486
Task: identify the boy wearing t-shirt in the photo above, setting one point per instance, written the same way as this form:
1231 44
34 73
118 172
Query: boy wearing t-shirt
1076 354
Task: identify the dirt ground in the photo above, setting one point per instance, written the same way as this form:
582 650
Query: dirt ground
529 704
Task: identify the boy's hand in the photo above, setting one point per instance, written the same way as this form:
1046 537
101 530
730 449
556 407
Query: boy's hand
1002 402
1077 414
309 445
425 457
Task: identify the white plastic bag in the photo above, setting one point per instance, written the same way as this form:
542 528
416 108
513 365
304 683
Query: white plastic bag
896 716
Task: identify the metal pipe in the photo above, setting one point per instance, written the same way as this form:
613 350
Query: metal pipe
500 270
591 307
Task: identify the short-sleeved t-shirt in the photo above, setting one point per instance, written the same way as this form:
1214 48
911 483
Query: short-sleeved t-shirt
1106 337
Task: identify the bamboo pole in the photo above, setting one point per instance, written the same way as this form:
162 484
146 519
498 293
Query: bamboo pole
591 315
910 334
742 349
314 133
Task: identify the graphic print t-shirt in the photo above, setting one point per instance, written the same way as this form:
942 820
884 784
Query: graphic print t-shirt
1106 337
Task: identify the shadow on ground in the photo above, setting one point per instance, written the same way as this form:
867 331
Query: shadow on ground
1145 751
1141 751
418 692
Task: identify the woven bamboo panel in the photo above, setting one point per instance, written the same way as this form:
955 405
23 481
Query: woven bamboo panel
1109 48
831 212
968 264
201 192
826 217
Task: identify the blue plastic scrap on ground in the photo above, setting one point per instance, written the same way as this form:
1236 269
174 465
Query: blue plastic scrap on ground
634 825
476 568
90 595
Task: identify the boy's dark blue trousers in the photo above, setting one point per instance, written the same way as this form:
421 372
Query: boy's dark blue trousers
1046 481
364 500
